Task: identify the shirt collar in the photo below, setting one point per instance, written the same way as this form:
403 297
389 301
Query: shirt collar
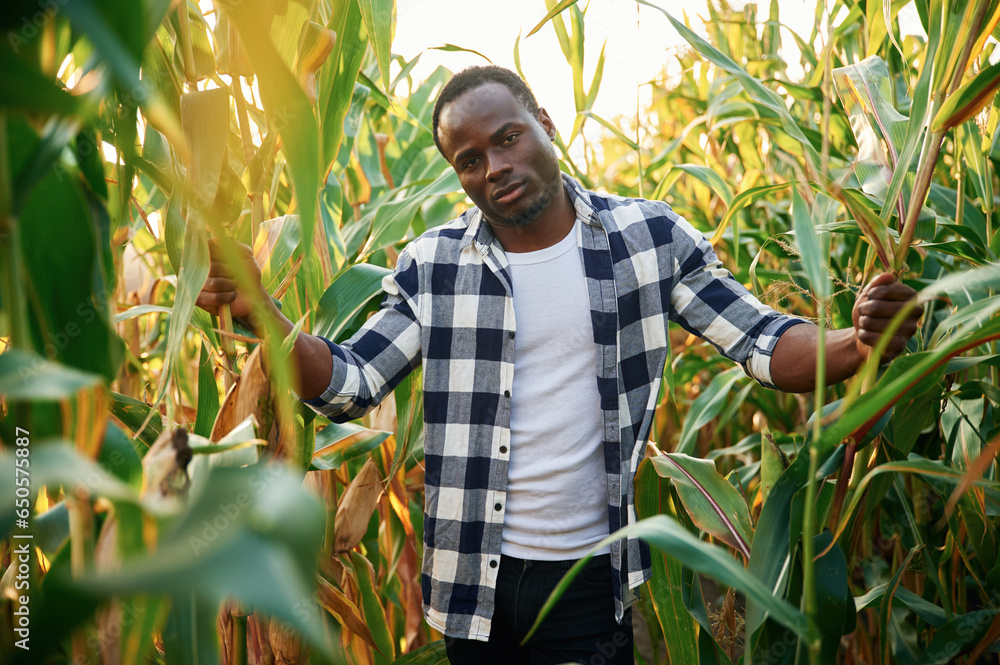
580 197
479 232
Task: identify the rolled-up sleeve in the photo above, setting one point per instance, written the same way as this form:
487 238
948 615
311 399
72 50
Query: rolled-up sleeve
381 354
706 300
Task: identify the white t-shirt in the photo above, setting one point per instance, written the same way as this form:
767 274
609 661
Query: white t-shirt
557 496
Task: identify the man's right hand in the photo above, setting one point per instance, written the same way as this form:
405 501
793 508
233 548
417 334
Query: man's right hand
310 355
220 287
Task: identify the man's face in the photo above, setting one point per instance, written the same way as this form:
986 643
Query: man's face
502 153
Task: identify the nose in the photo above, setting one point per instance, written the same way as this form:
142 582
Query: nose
497 166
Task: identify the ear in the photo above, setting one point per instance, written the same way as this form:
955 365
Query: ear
546 122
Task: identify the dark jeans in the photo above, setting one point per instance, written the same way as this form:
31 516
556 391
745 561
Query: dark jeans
581 628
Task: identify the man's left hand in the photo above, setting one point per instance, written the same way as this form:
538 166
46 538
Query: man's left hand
878 303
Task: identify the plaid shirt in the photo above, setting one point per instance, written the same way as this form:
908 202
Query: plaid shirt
448 306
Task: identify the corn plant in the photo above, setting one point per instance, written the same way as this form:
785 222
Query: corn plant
183 507
867 534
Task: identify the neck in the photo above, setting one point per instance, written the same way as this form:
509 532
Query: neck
546 230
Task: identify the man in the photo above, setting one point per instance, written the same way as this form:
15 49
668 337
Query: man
540 317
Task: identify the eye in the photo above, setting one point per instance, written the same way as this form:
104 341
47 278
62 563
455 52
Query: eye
470 163
507 140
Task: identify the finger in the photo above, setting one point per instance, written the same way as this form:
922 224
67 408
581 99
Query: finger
219 285
879 321
880 280
211 301
886 309
896 291
871 338
873 324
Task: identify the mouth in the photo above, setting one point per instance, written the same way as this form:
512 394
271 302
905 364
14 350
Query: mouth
509 193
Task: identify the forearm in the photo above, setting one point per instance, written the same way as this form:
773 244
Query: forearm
793 362
310 355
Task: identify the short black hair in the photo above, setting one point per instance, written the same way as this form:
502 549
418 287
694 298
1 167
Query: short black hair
473 77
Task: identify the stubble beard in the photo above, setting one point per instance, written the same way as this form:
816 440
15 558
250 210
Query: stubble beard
521 219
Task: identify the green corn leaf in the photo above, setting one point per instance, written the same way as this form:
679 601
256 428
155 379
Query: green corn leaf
392 219
372 606
24 87
885 609
409 420
871 225
139 310
56 463
341 442
706 407
927 611
378 22
118 34
132 414
754 88
833 597
916 465
557 9
202 64
283 236
289 110
350 291
741 201
246 533
715 506
27 376
665 534
189 634
979 165
208 394
966 102
205 119
610 126
338 75
888 140
772 464
595 85
770 556
191 277
866 92
970 332
576 44
678 626
51 528
460 49
711 179
957 636
517 57
429 654
814 251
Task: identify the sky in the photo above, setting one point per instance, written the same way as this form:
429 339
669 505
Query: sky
639 41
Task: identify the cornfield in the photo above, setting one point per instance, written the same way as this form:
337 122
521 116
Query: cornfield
164 498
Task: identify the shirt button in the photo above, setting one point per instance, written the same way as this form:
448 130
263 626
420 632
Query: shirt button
498 507
503 449
511 334
493 564
506 393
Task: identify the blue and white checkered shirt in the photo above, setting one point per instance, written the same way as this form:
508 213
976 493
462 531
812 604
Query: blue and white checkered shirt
448 306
